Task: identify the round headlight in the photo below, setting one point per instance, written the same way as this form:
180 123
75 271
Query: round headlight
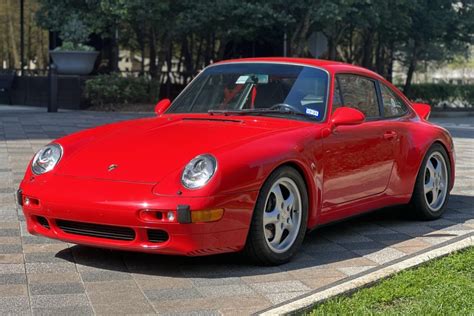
46 159
199 171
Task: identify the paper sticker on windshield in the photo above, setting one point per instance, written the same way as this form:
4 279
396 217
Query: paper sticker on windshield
312 112
242 80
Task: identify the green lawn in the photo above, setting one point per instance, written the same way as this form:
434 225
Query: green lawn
441 287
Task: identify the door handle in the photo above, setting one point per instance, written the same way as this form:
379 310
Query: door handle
389 135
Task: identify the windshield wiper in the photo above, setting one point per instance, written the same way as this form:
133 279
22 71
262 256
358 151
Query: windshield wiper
256 112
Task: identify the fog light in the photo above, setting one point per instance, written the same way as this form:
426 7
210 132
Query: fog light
207 215
170 216
27 201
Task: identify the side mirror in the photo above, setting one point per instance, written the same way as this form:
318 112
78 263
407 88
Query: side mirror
162 106
347 116
423 110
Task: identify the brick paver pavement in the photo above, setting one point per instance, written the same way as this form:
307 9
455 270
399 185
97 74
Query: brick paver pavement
43 276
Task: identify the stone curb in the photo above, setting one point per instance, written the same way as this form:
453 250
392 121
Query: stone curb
364 279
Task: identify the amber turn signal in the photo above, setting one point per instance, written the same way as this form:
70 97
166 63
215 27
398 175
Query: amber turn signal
207 215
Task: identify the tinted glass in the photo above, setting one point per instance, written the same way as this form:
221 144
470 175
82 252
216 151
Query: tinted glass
359 93
242 86
392 104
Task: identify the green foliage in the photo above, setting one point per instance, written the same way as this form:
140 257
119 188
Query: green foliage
441 287
74 33
114 89
70 46
370 33
71 24
433 94
54 15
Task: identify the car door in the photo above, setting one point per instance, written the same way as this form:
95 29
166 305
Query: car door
397 119
358 159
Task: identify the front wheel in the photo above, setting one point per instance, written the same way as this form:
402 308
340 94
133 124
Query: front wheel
431 192
280 217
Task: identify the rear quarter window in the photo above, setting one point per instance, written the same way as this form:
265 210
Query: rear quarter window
393 105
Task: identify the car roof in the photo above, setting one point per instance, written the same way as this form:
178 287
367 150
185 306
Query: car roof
329 65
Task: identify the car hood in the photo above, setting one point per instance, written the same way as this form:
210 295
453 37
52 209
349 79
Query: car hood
147 150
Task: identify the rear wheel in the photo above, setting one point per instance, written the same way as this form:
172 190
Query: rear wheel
280 217
431 191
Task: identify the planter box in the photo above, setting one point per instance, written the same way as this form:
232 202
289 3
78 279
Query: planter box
74 62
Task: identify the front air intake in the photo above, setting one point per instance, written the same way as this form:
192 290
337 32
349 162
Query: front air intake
96 230
43 221
157 235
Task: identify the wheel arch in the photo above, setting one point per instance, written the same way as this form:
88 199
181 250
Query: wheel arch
450 159
451 163
311 187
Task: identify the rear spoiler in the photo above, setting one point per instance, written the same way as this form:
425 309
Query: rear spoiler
423 110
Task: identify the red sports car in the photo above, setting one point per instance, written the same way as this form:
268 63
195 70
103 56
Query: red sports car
250 156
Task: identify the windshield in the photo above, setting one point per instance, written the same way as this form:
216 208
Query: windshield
255 88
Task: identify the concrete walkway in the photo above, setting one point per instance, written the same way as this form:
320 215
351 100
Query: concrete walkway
43 276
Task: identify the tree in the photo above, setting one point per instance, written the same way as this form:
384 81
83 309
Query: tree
370 33
439 29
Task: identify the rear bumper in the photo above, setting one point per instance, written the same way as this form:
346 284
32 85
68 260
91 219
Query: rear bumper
117 207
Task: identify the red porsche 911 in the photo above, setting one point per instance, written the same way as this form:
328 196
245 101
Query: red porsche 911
249 157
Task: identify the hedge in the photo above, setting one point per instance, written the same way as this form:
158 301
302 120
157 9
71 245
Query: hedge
443 95
115 89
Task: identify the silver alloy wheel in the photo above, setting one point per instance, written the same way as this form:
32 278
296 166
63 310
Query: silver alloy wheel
435 181
282 215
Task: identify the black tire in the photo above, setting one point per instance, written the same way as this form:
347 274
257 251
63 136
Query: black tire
418 204
256 247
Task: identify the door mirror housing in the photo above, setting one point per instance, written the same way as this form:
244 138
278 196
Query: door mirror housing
347 116
162 106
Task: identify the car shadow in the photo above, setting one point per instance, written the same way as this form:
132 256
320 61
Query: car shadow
354 238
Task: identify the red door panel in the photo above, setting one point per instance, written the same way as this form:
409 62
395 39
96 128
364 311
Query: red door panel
358 162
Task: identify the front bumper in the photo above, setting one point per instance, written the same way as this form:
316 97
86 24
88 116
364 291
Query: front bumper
117 207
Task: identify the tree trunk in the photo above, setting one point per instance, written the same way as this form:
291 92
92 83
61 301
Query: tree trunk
208 50
411 69
298 40
222 46
391 59
333 39
188 59
213 48
380 56
351 45
367 50
152 47
142 53
197 62
29 54
14 61
332 52
169 66
162 53
114 52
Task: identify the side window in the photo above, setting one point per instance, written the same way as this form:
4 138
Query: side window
359 93
337 98
392 104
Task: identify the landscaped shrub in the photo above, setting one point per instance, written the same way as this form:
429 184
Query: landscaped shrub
114 89
443 95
